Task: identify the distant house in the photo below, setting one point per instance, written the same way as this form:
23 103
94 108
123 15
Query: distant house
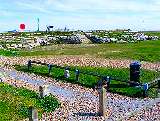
13 31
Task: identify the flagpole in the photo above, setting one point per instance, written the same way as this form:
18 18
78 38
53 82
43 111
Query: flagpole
38 24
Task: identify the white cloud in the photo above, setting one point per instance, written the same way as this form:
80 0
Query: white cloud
92 6
32 6
5 13
104 5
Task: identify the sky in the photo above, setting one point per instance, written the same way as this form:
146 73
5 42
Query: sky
80 14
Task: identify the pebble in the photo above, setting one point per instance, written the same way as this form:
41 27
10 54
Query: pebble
83 100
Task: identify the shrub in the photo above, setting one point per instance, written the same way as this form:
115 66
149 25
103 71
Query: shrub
48 103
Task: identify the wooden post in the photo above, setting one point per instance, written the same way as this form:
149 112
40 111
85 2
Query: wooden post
46 91
29 64
145 89
33 114
49 68
77 74
1 80
43 90
159 88
102 101
41 93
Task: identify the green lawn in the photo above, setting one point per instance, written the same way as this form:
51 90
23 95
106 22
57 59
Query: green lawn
90 81
15 102
153 33
142 51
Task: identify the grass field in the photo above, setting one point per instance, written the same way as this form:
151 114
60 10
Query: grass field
153 33
142 51
15 102
90 81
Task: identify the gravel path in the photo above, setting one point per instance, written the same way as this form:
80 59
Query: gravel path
79 61
79 102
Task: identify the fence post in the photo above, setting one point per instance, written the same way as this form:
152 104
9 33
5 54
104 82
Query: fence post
145 89
102 102
159 88
1 80
77 74
29 64
41 92
46 91
49 68
33 114
107 82
159 84
66 72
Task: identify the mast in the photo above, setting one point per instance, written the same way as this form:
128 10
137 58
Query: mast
38 24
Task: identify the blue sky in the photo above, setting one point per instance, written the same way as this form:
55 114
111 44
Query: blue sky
80 14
